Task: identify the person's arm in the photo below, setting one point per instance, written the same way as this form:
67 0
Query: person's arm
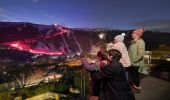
87 65
107 72
140 51
125 56
116 46
126 60
132 54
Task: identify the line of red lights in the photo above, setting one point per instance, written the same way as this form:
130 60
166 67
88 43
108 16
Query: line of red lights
23 45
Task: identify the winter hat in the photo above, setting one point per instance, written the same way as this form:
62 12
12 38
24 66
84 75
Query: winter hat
139 31
120 38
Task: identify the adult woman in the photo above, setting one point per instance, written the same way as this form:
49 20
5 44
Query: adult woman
136 53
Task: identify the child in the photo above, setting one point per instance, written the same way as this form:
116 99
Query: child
96 67
120 46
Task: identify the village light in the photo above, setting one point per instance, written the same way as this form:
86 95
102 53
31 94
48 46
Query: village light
78 53
101 35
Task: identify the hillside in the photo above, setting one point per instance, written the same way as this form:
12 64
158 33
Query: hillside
47 37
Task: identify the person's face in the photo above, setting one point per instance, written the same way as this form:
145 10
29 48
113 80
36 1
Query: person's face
134 36
109 57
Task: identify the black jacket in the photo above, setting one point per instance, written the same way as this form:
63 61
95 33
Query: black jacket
114 83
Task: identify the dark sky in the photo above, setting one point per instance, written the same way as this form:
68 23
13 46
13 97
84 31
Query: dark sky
116 14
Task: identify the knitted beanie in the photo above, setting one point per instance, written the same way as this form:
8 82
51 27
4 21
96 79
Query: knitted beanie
120 38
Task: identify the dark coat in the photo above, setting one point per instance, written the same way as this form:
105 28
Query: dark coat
114 83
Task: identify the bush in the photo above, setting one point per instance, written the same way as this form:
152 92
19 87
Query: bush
3 87
6 96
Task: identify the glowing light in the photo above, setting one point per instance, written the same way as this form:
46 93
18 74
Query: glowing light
55 24
101 35
25 45
14 45
47 52
78 53
22 46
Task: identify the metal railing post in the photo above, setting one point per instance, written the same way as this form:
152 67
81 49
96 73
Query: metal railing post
83 84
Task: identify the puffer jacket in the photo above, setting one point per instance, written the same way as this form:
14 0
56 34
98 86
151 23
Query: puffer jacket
136 52
125 60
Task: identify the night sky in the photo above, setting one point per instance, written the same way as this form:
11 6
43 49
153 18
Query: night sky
115 14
